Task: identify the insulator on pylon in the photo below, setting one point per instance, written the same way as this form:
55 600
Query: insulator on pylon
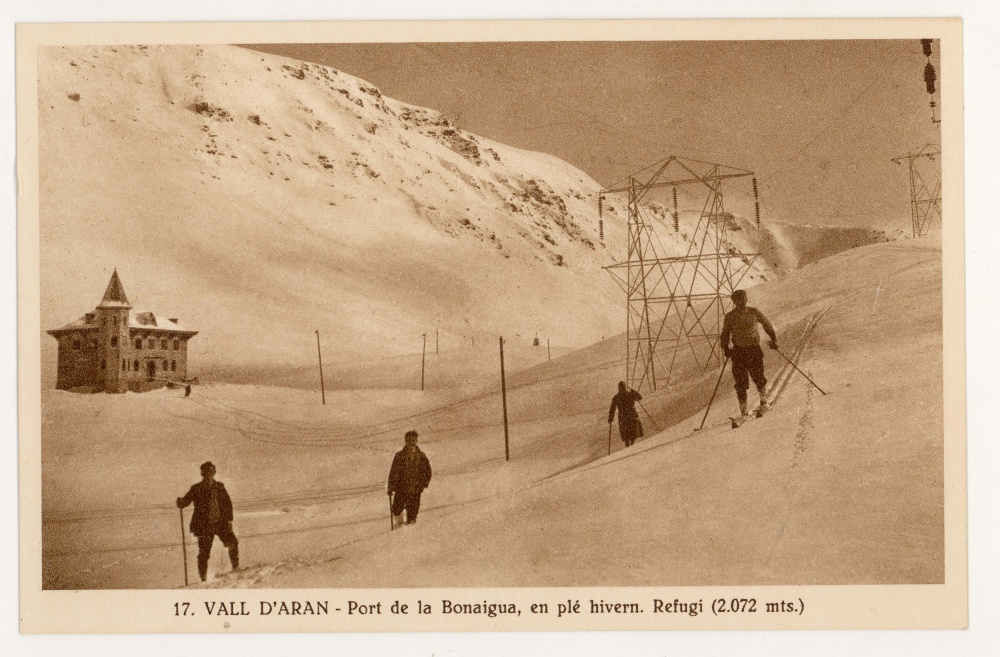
677 217
926 43
756 211
754 179
930 76
600 229
600 206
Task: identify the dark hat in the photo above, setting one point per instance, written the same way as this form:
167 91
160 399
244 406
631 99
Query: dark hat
207 466
411 436
738 294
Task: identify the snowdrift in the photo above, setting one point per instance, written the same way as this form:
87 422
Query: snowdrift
843 488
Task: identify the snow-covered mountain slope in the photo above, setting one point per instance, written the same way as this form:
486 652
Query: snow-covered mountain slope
842 488
259 199
794 497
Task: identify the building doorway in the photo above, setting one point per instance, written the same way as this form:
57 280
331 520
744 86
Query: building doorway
151 368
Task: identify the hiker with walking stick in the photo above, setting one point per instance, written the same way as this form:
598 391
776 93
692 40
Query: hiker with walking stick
213 516
628 418
409 475
740 326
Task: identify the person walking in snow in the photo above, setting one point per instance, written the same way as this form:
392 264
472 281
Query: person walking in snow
213 516
740 326
409 475
628 418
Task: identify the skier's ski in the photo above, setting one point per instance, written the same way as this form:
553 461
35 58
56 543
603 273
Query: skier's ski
737 422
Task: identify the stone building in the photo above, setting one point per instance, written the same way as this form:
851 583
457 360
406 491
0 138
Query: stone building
112 349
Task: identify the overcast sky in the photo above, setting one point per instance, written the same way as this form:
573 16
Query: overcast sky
818 121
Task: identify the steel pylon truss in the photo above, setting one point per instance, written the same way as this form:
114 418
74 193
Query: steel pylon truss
677 298
925 187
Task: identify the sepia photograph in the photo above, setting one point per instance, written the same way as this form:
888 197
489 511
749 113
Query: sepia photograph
485 315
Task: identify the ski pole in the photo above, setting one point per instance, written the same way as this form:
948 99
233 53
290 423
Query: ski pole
651 420
799 371
714 392
609 439
184 548
392 525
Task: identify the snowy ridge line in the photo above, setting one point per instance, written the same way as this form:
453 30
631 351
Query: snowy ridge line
249 434
332 437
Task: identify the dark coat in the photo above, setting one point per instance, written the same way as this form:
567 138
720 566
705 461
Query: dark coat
410 473
201 495
628 418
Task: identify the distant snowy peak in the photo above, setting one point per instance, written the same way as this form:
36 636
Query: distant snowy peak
227 181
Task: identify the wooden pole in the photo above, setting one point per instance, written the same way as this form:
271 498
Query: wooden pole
319 352
423 359
184 548
548 345
714 392
503 392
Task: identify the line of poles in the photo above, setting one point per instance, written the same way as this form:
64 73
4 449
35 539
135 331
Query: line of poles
503 396
423 359
503 385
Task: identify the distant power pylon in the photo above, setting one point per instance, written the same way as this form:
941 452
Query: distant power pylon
676 303
925 186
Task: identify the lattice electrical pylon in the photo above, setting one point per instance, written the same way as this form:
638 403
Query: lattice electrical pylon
925 187
676 302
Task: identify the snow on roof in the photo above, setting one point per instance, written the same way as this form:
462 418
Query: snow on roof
140 320
152 321
79 324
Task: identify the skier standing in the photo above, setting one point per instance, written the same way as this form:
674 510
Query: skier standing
213 516
409 475
628 418
740 325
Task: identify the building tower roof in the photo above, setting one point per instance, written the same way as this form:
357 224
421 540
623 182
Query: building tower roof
114 296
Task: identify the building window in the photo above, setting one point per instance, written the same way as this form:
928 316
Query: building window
104 364
152 343
125 320
76 344
177 344
138 343
124 365
135 365
163 344
165 364
173 366
114 341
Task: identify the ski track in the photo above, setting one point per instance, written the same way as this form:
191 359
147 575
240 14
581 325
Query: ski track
799 449
255 426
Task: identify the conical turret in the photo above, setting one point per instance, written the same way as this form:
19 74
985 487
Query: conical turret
114 296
